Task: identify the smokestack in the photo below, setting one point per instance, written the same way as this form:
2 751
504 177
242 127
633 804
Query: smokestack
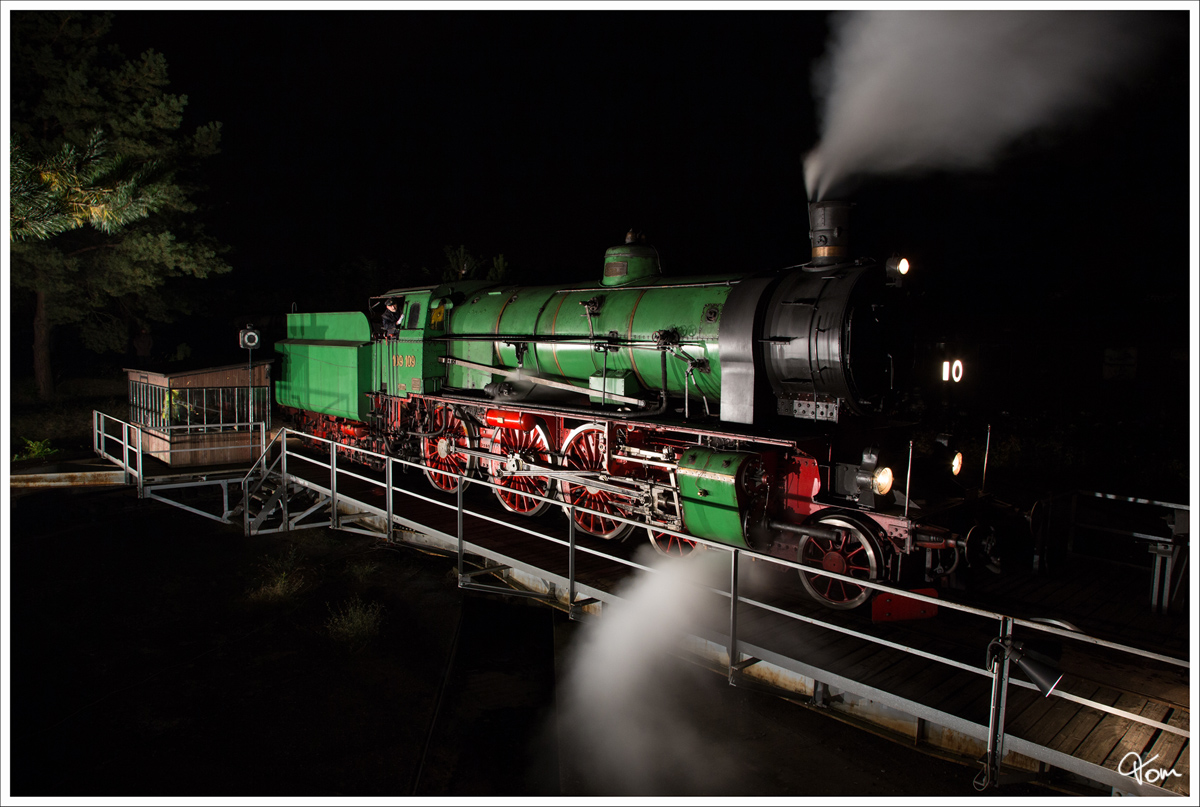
829 232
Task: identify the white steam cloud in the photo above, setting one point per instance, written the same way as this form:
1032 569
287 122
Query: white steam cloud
904 92
620 709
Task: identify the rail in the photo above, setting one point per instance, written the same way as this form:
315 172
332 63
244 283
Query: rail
997 669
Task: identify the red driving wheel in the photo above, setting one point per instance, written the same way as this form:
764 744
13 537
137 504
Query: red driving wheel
585 450
515 449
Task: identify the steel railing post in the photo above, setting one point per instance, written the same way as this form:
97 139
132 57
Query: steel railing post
283 478
125 453
733 609
995 749
459 515
571 562
335 522
387 497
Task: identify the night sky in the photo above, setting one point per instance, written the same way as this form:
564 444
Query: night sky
545 135
540 135
379 137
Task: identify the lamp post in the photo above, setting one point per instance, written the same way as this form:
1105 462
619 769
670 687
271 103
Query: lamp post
249 338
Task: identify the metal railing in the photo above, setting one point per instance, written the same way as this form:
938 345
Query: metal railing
128 444
995 735
1168 552
122 443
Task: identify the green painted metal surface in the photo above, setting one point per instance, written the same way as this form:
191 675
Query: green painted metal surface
561 346
326 364
628 263
345 326
411 362
712 487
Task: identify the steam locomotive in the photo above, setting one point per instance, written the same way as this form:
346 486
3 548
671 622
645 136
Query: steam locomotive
746 409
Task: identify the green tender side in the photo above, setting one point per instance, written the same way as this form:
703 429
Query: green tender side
708 486
556 316
326 364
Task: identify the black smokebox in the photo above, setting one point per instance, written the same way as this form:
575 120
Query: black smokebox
829 232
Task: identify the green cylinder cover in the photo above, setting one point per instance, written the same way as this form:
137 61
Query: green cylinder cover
718 489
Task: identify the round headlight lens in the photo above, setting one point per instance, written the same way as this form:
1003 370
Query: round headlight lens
881 481
956 463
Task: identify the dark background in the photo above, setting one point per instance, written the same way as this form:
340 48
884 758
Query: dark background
356 145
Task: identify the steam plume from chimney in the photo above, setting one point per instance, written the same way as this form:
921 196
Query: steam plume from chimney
903 92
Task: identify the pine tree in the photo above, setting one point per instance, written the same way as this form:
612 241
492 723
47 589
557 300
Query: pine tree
74 188
101 224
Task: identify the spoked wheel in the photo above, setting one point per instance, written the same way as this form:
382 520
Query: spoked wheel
584 450
515 450
671 545
443 453
856 554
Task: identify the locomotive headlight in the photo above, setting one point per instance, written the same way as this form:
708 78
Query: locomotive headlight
956 463
881 481
897 268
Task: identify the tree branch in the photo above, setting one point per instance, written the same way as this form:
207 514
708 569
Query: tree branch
89 249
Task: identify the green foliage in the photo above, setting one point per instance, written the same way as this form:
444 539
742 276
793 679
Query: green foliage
34 449
462 264
76 187
282 578
362 569
97 140
355 624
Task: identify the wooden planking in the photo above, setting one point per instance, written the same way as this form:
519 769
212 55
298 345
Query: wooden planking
1019 702
1082 722
933 684
1087 598
1138 735
1022 720
1106 734
831 655
976 687
1172 751
889 678
1044 727
870 659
